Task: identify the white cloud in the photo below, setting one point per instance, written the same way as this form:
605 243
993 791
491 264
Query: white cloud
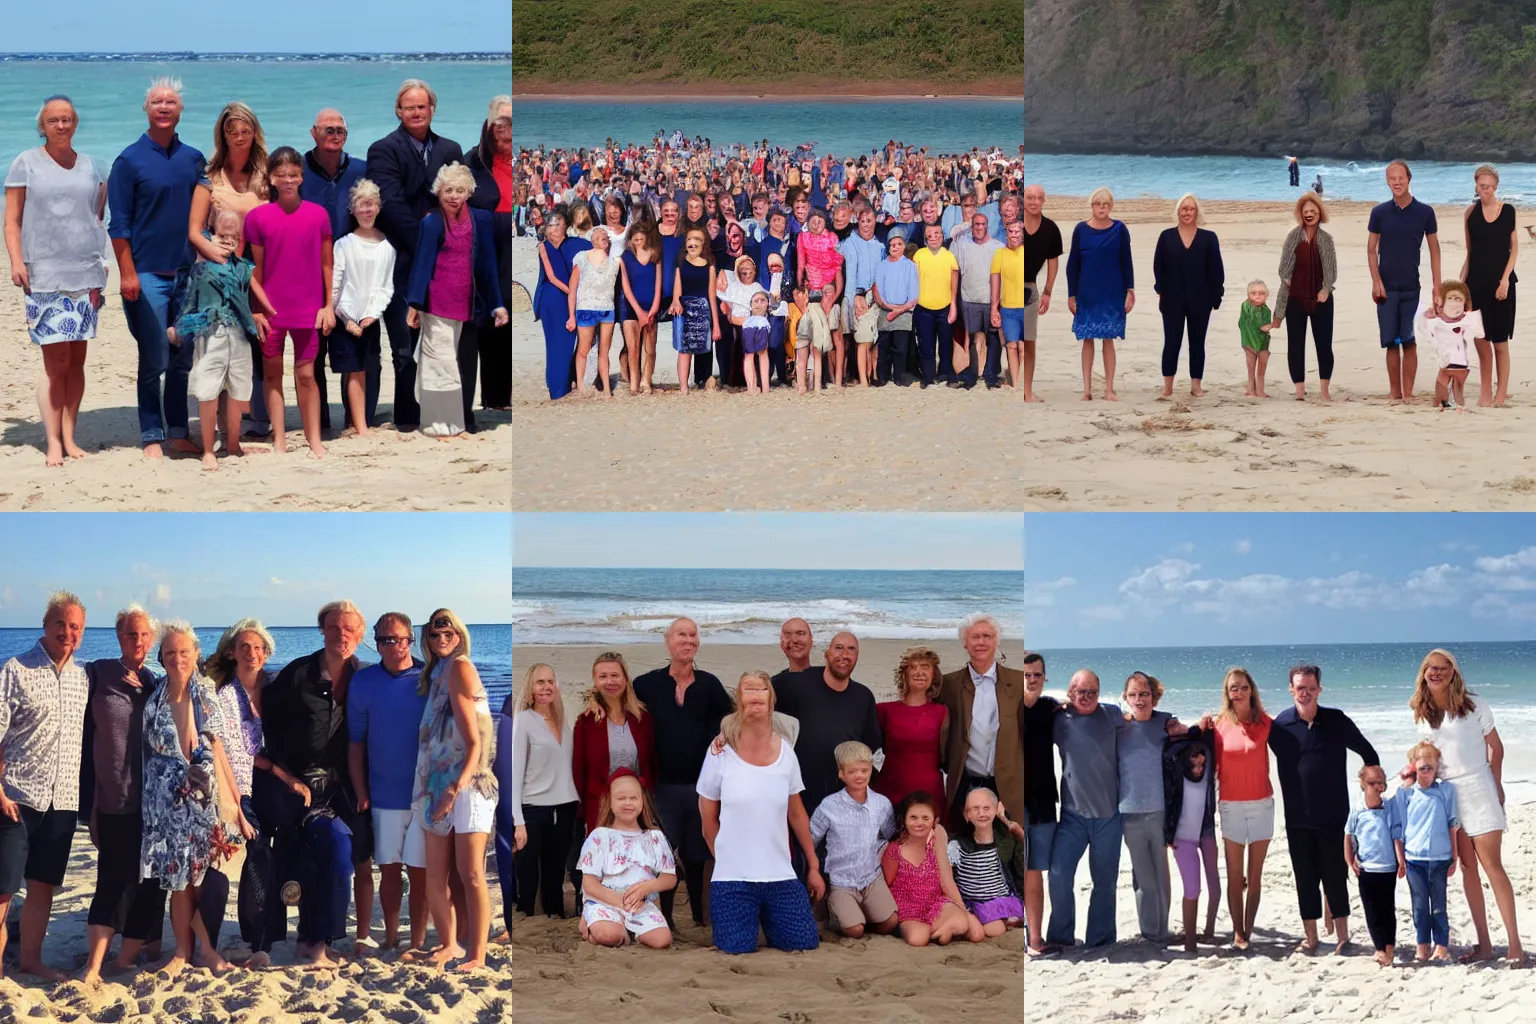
162 594
1244 546
1043 594
1525 558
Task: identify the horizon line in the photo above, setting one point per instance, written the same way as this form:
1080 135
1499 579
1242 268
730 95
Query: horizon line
1312 643
748 568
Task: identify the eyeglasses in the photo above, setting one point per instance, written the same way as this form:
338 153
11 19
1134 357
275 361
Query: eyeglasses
331 129
446 634
391 641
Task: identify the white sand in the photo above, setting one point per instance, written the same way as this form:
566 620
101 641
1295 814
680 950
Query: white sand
1137 980
1227 452
385 471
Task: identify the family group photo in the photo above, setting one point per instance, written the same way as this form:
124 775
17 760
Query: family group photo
180 788
801 767
331 289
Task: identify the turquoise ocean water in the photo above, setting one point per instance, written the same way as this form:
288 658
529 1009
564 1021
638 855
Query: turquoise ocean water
838 127
1371 682
284 91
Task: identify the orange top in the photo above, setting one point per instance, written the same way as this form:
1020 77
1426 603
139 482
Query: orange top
1242 760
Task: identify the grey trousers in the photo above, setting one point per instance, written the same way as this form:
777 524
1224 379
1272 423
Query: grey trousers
1149 872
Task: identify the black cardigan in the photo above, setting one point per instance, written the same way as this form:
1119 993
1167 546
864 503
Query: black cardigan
1192 278
1176 752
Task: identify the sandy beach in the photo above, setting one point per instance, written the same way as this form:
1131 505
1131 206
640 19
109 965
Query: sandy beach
1224 451
384 471
369 990
1137 980
875 449
880 980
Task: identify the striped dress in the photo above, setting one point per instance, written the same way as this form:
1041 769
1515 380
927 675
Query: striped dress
978 871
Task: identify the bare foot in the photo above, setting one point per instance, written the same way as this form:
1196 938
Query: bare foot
55 456
502 939
1240 942
1301 396
1030 396
1441 955
185 446
90 979
175 965
214 961
1515 958
1306 947
1498 403
258 962
1485 401
711 384
1261 394
1165 396
317 450
279 445
154 451
1197 391
1477 955
1087 396
1110 396
1325 396
210 462
73 450
1250 393
645 388
471 965
1384 958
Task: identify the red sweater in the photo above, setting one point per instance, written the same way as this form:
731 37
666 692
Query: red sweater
589 759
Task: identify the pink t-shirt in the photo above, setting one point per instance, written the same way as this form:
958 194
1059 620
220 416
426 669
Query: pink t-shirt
291 246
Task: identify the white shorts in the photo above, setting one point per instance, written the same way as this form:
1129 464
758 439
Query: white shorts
1477 802
471 813
1247 821
647 919
398 839
221 361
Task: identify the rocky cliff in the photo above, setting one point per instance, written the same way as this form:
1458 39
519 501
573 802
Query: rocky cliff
1437 79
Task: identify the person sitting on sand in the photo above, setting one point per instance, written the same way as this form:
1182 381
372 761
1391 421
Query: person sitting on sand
1427 807
1449 332
987 855
917 870
853 822
1373 847
625 862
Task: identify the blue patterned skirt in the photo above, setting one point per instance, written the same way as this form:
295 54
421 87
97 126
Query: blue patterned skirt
1105 320
60 316
692 336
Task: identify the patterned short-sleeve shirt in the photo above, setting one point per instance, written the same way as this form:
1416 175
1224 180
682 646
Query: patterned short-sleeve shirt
42 726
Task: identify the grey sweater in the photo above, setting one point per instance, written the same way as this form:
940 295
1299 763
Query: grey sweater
1288 265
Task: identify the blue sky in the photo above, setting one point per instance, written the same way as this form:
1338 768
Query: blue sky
279 567
279 26
1193 579
778 540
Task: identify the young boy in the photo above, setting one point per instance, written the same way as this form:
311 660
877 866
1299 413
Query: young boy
856 821
1430 823
1373 849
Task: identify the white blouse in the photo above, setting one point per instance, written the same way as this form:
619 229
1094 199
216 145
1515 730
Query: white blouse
362 276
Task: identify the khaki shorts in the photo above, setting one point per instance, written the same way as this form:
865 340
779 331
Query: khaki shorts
869 905
221 361
1031 311
864 327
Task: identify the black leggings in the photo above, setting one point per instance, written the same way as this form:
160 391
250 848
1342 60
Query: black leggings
1317 856
1296 339
1378 900
1173 338
541 863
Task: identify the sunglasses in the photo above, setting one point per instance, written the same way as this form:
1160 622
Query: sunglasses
331 129
392 641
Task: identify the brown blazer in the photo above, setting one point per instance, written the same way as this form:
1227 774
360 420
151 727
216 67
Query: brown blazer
957 693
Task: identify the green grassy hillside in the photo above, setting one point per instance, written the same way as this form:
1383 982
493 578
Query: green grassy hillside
762 42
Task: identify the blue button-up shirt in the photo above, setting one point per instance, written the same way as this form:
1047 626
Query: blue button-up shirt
897 281
854 833
150 195
1428 815
334 194
861 256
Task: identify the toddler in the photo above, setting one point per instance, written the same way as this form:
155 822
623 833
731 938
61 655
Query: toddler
1448 333
625 863
216 317
854 821
1427 809
1254 322
1373 848
916 866
755 334
1189 826
362 283
989 864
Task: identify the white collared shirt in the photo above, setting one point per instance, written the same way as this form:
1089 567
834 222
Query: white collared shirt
979 760
855 834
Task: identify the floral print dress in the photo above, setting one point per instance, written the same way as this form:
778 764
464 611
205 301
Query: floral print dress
183 835
441 753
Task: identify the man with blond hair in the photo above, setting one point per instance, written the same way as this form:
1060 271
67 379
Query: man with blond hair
43 695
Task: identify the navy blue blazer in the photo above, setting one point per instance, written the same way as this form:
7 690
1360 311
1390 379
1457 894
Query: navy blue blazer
405 189
1188 278
486 294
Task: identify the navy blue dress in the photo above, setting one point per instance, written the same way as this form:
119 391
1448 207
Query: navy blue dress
643 281
552 309
1099 273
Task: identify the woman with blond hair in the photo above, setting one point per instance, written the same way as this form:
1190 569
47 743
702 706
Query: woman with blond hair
455 791
913 728
543 791
491 164
1188 277
1101 286
1308 270
1493 246
612 731
1461 725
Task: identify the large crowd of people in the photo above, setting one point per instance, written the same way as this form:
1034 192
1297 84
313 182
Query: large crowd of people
224 259
774 781
1137 776
895 266
302 781
1472 314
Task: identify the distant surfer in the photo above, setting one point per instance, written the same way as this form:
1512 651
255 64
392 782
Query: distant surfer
1317 184
1295 169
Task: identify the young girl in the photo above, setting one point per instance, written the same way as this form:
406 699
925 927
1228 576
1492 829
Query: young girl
291 245
916 866
1373 849
1253 325
755 333
692 288
989 864
820 263
453 282
1448 333
362 283
1427 808
778 311
640 281
625 862
593 276
1189 826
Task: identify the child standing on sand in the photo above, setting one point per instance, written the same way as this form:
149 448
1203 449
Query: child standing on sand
626 862
1373 849
1448 333
1189 827
1430 822
755 334
1253 325
362 283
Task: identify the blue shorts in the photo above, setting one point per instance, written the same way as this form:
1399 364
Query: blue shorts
1013 323
1395 317
1040 837
593 317
782 909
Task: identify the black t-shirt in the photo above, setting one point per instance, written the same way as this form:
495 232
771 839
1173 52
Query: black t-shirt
843 232
1040 760
1043 245
827 717
683 731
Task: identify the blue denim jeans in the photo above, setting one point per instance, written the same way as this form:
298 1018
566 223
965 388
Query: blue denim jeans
148 318
1100 838
1426 883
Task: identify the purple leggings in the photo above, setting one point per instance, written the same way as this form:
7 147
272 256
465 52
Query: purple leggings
1187 855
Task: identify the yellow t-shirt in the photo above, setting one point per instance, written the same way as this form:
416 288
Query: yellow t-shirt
933 277
1009 265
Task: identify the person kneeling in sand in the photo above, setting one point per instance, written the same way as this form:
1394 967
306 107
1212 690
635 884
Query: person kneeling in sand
216 318
1448 332
854 821
626 862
